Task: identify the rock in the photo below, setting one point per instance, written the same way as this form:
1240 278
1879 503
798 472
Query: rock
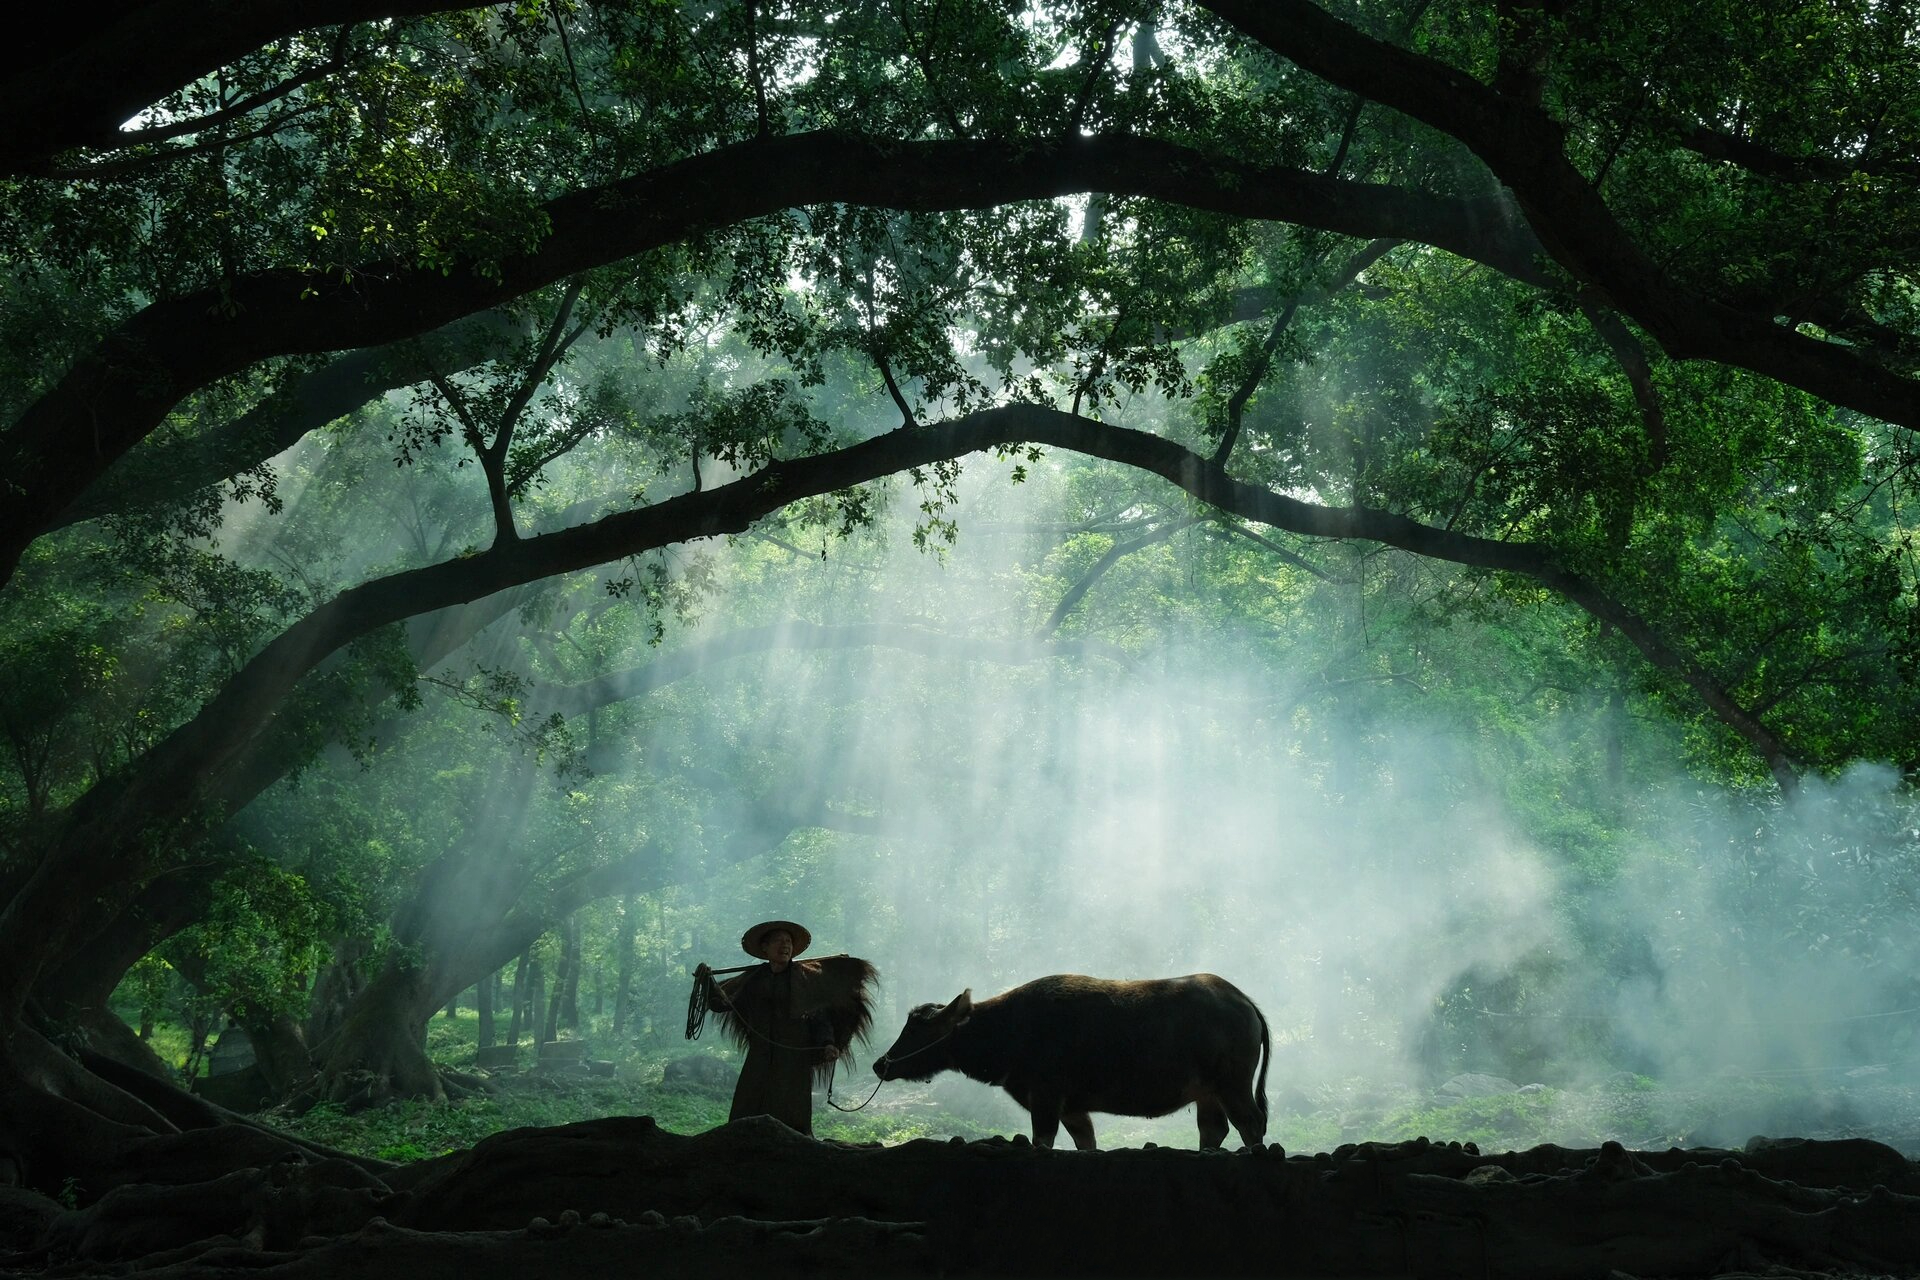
1473 1084
701 1071
1825 1164
1614 1163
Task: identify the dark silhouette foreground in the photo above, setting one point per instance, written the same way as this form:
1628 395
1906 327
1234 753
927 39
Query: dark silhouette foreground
624 1198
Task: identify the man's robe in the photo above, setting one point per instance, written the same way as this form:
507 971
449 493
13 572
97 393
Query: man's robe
785 1022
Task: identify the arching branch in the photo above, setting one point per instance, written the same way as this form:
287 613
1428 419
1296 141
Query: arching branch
1524 148
84 73
87 870
156 473
119 392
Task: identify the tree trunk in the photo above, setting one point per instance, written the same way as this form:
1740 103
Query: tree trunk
520 972
279 1050
569 986
335 990
1616 737
623 961
536 1001
377 1055
199 1026
483 1004
551 1022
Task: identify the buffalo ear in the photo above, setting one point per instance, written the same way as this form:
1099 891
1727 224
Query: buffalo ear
961 1007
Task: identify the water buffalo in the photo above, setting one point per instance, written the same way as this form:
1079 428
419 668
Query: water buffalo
1067 1045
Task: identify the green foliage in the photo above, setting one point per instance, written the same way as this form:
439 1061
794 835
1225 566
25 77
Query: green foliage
263 933
406 1130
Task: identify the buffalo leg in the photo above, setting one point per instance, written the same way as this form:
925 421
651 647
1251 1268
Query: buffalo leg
1249 1119
1079 1126
1046 1123
1213 1123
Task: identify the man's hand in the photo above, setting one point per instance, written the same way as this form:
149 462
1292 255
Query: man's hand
703 971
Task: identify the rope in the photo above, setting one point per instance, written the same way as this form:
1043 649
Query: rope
863 1106
922 1049
697 1004
877 1081
697 1010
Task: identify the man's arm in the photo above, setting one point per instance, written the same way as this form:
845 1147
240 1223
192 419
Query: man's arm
717 995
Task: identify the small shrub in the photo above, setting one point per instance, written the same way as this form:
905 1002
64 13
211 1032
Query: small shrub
403 1152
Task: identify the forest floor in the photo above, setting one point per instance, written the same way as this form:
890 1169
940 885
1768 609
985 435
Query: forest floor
625 1163
1636 1111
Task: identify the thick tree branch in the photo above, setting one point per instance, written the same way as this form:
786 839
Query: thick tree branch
157 473
75 87
124 388
1759 158
1522 145
170 784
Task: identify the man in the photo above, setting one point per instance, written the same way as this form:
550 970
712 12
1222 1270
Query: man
794 1018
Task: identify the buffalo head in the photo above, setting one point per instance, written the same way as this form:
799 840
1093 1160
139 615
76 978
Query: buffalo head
923 1048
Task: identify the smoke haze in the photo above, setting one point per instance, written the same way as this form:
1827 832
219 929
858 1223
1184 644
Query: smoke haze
1157 809
1162 784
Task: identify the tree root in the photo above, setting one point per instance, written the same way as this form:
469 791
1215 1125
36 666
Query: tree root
638 1198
